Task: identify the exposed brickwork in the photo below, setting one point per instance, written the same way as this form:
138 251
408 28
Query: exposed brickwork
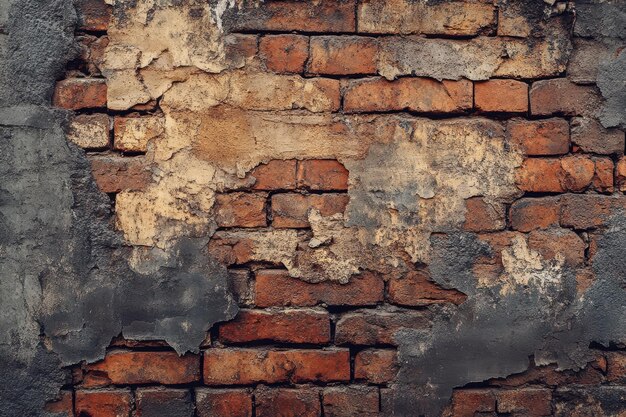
265 143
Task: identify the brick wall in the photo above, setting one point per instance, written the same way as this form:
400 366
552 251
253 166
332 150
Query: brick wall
308 345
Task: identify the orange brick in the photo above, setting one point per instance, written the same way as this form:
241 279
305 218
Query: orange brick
80 93
501 96
125 367
287 402
291 210
343 55
481 216
103 403
531 402
284 53
561 96
541 175
372 327
114 174
535 213
413 94
540 137
289 326
467 402
376 366
579 172
240 210
350 401
223 402
275 175
571 173
322 174
251 366
277 288
416 289
603 178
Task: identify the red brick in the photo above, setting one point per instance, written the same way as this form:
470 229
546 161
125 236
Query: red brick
560 96
114 174
223 402
292 210
290 326
620 174
413 94
350 401
467 402
372 327
103 403
63 406
125 367
157 402
616 367
240 210
571 173
416 289
603 178
277 288
251 366
231 249
540 137
501 96
287 402
481 216
284 53
535 213
541 175
376 366
80 93
322 174
529 402
579 171
295 15
93 15
343 55
589 135
275 175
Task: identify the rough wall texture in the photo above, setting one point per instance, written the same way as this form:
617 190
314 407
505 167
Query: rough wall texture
418 207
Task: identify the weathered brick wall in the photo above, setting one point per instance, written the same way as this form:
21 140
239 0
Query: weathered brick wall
382 179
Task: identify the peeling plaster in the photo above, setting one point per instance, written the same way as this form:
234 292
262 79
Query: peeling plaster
66 286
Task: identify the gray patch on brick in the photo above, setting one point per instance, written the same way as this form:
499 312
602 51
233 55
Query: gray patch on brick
494 334
611 78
